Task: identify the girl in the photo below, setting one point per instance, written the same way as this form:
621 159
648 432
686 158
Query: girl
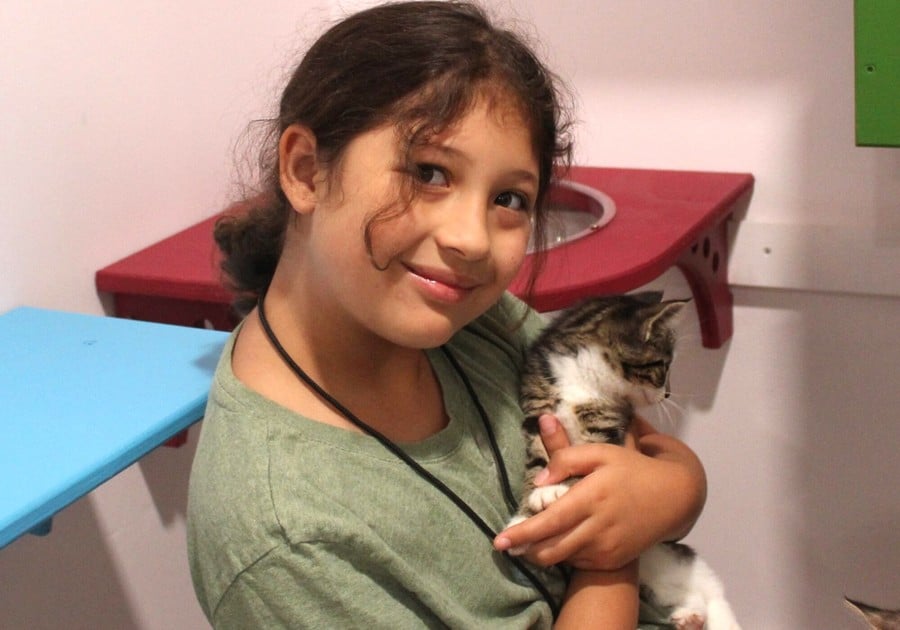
361 444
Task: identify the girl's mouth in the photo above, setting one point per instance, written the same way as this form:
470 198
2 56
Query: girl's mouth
442 285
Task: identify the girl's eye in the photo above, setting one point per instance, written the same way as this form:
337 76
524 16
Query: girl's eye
512 200
432 175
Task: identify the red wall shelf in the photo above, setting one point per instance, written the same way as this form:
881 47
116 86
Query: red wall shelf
663 219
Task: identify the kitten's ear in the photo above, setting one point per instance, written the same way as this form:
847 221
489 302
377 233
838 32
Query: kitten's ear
875 617
664 314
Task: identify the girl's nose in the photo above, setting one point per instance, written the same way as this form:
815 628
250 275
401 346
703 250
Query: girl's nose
463 228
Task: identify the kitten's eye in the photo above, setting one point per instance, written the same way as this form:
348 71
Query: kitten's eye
512 200
432 175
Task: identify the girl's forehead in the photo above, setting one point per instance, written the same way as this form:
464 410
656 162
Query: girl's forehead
487 107
434 109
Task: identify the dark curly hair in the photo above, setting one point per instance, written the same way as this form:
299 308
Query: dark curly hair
416 65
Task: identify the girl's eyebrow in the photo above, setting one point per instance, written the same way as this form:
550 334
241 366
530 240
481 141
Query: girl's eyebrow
448 151
523 175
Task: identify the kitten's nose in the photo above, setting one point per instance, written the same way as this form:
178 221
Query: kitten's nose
668 390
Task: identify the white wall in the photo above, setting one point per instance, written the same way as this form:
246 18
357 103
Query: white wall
117 126
116 129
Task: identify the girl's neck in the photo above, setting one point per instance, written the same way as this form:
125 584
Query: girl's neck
331 348
389 387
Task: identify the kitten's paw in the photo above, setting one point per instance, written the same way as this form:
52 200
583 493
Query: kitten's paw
515 520
687 619
541 498
521 549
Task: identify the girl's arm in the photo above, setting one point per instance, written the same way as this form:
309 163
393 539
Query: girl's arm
630 499
664 447
606 600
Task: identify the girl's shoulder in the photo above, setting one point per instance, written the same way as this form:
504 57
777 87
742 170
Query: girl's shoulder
510 325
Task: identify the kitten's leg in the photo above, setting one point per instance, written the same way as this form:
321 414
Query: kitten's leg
686 619
535 499
591 421
665 577
540 498
601 422
719 615
536 460
677 578
596 422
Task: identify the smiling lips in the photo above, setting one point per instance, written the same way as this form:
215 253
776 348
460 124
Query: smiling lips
443 285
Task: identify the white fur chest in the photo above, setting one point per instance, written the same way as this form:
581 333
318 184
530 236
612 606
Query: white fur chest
580 379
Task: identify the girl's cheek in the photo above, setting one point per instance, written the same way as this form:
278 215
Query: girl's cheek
389 237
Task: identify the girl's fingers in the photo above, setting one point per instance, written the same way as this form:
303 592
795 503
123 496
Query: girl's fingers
565 464
554 550
559 546
558 518
554 438
553 435
578 461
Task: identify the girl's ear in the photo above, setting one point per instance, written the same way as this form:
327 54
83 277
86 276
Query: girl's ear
297 167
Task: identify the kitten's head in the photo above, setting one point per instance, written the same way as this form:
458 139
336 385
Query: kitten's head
636 333
877 618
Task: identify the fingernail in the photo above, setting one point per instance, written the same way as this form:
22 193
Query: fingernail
548 425
541 477
502 543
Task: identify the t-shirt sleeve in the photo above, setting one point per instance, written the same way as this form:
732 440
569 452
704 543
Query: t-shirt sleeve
527 323
316 585
510 325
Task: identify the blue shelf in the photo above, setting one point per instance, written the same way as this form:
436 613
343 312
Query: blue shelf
85 397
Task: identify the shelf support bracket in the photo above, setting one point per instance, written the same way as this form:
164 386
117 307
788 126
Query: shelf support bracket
705 266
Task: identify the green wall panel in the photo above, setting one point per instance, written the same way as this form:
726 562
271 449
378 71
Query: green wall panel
877 41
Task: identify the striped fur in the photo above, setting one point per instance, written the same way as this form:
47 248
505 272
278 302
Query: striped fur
591 367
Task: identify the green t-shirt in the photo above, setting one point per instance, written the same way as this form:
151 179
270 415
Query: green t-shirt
293 523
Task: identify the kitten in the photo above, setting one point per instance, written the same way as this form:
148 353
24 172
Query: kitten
877 618
591 367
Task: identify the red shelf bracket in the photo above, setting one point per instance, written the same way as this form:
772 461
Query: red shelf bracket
705 266
178 440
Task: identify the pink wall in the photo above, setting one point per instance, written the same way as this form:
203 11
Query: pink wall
118 124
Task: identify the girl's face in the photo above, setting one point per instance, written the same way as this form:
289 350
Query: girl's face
445 260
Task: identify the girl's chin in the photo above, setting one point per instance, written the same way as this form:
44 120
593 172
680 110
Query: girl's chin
426 339
428 331
418 323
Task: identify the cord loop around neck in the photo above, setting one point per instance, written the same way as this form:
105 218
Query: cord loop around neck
394 448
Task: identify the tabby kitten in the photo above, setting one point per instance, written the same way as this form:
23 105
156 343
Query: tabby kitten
591 367
877 618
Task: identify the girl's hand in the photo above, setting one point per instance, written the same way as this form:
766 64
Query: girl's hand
631 498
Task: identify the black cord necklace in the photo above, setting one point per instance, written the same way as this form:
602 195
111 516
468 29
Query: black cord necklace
409 461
